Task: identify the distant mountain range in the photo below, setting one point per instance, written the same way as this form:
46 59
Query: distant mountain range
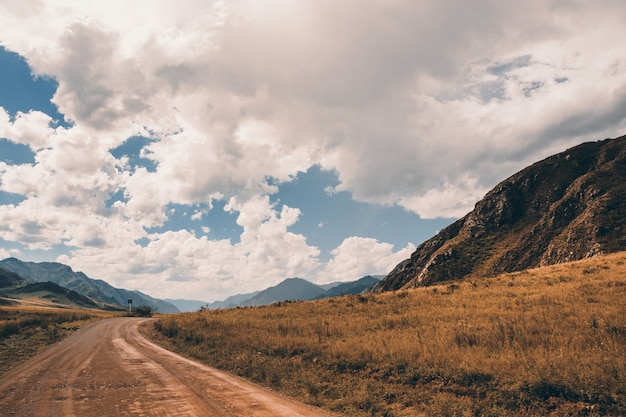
294 289
567 207
99 291
58 282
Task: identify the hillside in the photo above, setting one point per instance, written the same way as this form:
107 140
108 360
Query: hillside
53 294
353 287
97 290
9 279
542 342
567 207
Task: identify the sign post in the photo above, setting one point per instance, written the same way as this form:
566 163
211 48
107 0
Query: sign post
130 305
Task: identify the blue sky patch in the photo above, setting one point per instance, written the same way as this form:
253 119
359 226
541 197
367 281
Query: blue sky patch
10 198
118 196
328 218
216 223
503 67
15 153
132 148
20 91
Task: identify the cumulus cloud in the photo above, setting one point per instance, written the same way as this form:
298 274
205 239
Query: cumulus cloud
32 129
266 254
447 200
4 254
317 82
421 105
358 256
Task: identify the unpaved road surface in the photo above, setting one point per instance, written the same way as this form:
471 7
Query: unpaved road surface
110 369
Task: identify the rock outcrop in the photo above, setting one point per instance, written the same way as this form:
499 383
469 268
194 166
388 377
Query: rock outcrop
567 207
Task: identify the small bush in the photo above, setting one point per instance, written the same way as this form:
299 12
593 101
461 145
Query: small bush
144 310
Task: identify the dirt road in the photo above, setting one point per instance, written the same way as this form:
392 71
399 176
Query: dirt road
110 369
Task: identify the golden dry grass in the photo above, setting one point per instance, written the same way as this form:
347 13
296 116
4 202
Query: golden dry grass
549 341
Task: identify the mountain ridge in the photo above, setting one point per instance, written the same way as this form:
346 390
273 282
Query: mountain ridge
9 279
567 207
295 289
95 289
53 293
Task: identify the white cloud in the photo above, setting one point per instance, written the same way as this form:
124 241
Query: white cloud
30 129
447 200
358 256
271 90
266 254
4 254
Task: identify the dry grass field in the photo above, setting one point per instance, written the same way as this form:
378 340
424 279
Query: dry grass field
27 330
548 341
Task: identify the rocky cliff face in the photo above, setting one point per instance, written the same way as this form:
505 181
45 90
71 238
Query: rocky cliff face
567 207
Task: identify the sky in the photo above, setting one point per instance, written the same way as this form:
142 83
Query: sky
199 149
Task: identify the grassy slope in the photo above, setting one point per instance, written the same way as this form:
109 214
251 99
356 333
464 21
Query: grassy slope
549 341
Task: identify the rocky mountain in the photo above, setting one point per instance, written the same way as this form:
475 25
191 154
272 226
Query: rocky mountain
353 287
9 280
295 289
95 289
567 207
52 293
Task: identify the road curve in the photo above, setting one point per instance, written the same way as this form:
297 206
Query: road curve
110 369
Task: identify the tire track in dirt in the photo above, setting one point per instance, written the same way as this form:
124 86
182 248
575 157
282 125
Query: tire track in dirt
110 368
